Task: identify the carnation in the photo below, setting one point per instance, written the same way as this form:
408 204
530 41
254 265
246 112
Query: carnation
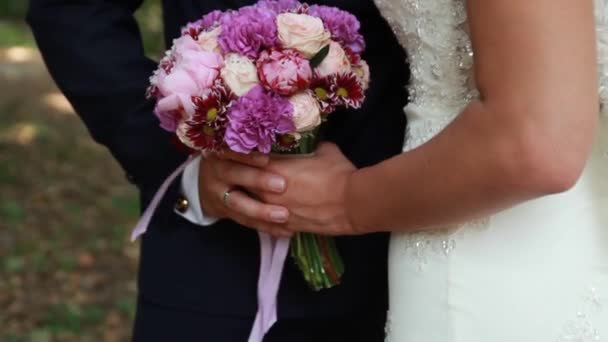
284 71
280 6
256 119
343 26
248 31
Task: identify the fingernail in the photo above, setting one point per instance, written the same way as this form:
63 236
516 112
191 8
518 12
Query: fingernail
278 216
276 184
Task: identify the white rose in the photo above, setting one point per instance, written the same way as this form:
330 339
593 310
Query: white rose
306 112
208 40
302 32
240 74
335 62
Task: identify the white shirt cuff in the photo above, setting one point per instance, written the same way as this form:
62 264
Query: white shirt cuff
189 187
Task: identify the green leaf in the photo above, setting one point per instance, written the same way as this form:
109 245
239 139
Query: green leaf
317 59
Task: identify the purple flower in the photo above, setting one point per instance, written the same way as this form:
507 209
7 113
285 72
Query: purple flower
255 120
212 19
279 6
344 26
248 31
207 22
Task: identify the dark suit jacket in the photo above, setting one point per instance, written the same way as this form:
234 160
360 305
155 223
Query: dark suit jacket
94 52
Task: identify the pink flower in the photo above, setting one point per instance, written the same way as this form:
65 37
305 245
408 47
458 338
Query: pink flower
302 32
336 62
193 72
285 72
363 73
183 44
306 111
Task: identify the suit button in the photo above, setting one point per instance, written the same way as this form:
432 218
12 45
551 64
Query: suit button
182 204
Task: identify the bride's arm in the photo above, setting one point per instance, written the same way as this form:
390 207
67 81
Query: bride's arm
529 135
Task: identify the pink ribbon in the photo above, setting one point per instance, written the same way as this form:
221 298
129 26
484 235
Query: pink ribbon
273 253
144 221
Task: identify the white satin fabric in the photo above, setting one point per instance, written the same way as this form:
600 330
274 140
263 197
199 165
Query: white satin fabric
537 272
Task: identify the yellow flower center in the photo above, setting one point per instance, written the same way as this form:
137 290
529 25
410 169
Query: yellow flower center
212 114
288 139
342 92
208 131
321 93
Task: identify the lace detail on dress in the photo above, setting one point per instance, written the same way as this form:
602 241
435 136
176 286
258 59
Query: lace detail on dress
601 15
435 35
582 329
388 327
421 246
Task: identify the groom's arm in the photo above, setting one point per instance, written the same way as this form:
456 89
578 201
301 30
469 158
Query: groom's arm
93 50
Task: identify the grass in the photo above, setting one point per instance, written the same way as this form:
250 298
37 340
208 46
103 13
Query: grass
67 270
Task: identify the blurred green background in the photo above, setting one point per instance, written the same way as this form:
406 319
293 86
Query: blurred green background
67 270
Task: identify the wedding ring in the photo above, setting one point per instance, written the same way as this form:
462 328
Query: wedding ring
226 196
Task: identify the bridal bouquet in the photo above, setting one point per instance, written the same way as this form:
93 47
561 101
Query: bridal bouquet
264 78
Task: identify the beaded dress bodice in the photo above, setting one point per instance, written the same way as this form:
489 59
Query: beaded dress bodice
457 283
435 35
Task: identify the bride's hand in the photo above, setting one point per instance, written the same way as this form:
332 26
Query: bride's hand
315 194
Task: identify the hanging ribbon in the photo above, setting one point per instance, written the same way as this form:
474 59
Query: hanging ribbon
273 253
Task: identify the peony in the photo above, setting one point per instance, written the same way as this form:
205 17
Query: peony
168 119
336 61
343 26
306 112
239 74
176 90
207 40
248 31
302 32
183 44
363 73
255 120
193 72
284 72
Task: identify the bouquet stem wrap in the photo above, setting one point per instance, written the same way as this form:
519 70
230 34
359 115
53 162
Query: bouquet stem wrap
317 258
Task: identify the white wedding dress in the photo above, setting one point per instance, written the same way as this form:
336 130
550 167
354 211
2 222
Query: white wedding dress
534 273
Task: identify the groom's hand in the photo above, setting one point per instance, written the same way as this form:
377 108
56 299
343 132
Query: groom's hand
222 178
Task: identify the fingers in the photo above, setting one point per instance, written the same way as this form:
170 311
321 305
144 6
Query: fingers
326 148
268 228
253 159
248 177
244 205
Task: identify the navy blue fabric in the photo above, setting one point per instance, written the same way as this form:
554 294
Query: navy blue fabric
93 51
158 323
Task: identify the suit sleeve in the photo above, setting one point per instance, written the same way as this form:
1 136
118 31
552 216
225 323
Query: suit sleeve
93 50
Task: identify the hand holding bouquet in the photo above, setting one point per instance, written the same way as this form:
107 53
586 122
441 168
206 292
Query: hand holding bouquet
264 78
